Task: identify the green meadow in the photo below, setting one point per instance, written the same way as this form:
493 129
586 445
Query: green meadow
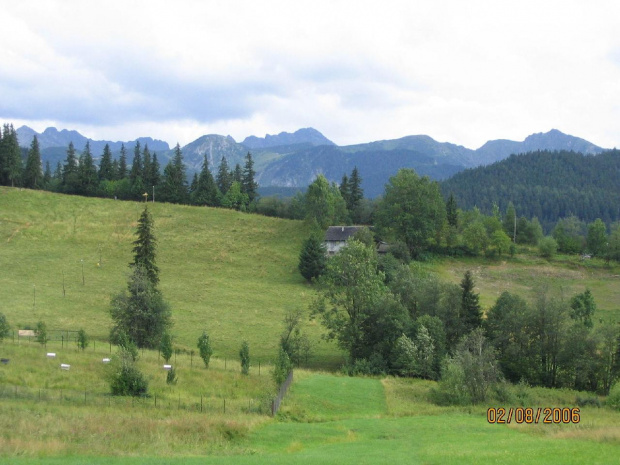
235 275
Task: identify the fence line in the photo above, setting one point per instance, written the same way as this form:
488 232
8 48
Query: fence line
275 403
86 398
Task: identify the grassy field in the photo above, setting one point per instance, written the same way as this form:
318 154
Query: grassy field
231 273
236 275
362 421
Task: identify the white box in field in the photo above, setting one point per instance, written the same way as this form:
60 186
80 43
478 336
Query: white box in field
51 355
168 367
106 360
64 366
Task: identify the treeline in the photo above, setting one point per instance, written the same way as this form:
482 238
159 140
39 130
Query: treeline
115 178
393 317
545 185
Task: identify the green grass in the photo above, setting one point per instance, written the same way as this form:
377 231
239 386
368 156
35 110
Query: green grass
231 273
374 433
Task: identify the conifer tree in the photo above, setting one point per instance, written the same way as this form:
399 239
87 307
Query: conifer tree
87 172
345 190
248 184
175 189
312 259
47 174
70 176
146 166
237 174
357 193
33 177
12 161
136 165
205 192
145 247
471 312
155 176
122 163
452 211
106 171
223 178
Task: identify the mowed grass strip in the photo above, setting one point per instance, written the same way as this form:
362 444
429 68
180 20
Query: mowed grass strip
321 397
230 273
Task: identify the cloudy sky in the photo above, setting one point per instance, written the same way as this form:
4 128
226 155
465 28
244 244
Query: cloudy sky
357 71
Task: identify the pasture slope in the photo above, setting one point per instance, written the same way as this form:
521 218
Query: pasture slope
235 275
231 273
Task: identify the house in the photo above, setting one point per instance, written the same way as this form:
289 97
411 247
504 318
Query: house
336 238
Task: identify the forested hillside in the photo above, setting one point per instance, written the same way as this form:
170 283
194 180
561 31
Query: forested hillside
546 185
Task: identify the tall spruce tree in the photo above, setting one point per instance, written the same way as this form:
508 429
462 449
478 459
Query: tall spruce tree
87 173
106 171
70 175
471 312
122 163
312 259
248 185
12 160
175 189
145 247
146 166
345 190
452 213
205 192
223 178
237 174
33 176
357 193
136 165
47 175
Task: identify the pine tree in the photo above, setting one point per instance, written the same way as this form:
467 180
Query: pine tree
312 259
33 177
205 192
471 312
146 166
106 171
175 189
70 176
357 193
136 165
145 247
248 184
223 178
87 173
237 174
452 213
12 160
47 175
155 175
122 164
345 190
510 219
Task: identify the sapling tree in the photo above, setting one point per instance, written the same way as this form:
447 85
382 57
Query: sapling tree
41 333
165 347
82 339
5 329
244 357
205 349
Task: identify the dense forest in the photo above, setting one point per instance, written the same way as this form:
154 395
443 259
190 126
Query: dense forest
545 185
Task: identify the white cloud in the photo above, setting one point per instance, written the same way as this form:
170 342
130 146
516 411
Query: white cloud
462 72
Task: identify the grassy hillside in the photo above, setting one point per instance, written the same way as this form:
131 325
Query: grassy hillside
231 273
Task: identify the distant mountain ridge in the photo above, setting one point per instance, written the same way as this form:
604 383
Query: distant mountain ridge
293 160
301 136
52 137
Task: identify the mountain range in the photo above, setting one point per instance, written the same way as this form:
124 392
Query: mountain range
293 160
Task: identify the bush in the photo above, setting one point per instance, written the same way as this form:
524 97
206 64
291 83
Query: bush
171 377
613 399
244 357
374 366
282 367
5 329
588 401
124 377
41 333
204 347
82 339
547 247
165 347
452 389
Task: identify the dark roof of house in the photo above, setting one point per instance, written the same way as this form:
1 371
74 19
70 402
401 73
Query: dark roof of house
341 233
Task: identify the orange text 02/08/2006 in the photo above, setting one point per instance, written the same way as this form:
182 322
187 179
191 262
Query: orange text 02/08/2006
544 415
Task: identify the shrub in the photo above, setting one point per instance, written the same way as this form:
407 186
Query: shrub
165 347
282 367
244 356
41 332
171 377
204 347
5 329
613 399
124 377
547 247
82 339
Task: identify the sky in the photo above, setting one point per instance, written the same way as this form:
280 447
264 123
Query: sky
358 71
